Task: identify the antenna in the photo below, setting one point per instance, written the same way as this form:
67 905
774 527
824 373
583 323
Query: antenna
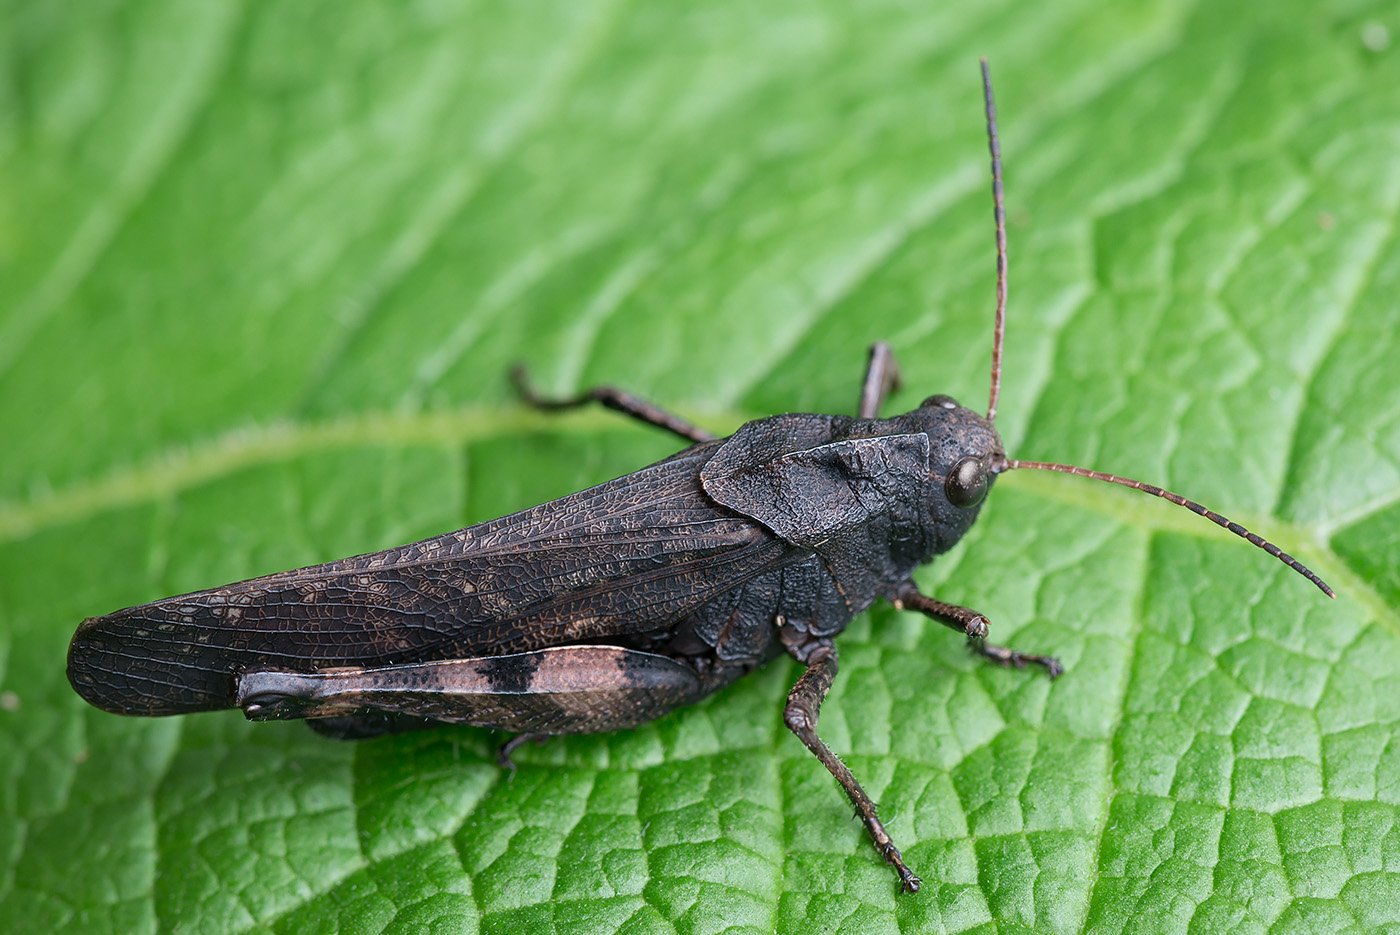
994 147
1192 505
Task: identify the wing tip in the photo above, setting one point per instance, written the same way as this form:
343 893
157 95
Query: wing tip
113 668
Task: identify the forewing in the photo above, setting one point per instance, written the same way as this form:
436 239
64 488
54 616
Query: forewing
630 556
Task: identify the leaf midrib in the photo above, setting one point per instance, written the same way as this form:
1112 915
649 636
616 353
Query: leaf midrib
183 467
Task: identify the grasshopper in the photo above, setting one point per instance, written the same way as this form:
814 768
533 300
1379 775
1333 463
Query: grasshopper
610 607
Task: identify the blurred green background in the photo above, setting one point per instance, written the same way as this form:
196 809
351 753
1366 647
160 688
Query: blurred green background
263 268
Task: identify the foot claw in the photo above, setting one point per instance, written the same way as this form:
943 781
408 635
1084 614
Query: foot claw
1014 659
507 748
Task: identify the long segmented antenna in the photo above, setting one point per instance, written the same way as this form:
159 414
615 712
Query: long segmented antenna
1192 505
994 147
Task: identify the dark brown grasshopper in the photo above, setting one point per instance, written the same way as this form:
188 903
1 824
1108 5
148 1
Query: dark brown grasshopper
612 606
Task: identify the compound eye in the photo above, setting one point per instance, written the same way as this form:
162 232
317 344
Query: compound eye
941 401
967 483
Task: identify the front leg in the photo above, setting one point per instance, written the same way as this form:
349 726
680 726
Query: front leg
803 709
614 399
881 379
975 626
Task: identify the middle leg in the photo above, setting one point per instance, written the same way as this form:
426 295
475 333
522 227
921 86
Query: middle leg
801 714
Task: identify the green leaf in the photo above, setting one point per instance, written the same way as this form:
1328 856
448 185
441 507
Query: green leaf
263 268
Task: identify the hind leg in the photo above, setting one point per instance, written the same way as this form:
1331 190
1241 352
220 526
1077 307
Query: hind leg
563 690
